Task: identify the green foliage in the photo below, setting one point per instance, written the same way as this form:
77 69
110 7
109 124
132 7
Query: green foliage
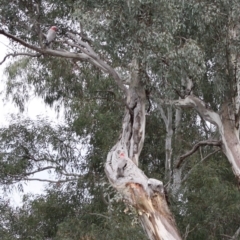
172 40
210 201
29 147
153 153
66 214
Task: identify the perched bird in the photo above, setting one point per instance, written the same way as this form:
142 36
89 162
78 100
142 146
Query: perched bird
51 35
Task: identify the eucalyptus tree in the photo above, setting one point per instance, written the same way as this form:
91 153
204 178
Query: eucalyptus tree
149 56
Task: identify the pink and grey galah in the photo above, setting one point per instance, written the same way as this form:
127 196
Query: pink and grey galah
51 35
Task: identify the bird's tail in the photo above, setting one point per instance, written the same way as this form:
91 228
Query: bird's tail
46 44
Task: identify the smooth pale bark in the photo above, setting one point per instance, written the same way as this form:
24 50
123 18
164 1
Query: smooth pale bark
167 118
227 127
143 193
230 139
177 172
173 175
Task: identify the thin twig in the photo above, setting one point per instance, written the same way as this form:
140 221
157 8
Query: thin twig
190 171
39 170
47 180
19 54
188 231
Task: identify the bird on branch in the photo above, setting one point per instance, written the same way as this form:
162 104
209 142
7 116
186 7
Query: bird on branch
51 35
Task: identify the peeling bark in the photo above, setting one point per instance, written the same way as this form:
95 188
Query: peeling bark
227 127
146 195
143 193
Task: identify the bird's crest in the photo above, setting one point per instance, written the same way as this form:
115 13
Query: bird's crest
54 28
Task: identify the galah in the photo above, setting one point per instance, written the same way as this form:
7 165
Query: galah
51 35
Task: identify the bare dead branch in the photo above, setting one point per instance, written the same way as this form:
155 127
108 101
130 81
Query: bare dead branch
190 171
179 93
51 52
191 101
43 159
22 42
195 148
70 174
19 54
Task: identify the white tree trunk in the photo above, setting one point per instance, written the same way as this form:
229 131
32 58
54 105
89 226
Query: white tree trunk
172 175
143 193
226 124
167 118
230 138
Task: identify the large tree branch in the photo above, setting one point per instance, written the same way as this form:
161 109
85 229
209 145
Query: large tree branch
192 101
87 49
86 54
48 51
201 107
195 148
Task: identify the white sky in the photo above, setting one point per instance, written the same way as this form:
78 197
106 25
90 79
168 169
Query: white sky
35 108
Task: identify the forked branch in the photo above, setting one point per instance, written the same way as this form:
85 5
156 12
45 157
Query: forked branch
87 54
195 148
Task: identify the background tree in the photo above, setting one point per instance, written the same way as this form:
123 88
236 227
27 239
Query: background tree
169 54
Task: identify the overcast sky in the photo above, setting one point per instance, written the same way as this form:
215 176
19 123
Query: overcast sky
34 109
